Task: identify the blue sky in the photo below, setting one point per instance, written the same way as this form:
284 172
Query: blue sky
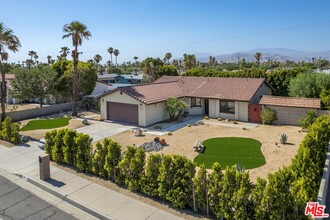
151 28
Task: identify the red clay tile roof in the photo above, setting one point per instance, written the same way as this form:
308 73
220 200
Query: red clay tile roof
240 89
291 101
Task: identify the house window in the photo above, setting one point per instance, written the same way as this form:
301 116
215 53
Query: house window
196 102
227 107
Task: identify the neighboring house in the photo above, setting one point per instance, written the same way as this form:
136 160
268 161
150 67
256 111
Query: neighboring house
108 82
144 105
290 109
132 79
101 88
9 78
107 78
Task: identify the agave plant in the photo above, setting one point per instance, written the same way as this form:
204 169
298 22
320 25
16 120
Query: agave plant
283 138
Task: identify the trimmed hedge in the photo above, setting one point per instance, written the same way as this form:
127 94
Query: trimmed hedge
225 193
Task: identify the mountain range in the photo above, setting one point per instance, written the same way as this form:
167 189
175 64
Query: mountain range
278 54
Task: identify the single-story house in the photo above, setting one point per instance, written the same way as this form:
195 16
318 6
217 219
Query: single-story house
144 105
290 109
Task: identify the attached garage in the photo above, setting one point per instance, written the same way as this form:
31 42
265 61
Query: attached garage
122 112
290 109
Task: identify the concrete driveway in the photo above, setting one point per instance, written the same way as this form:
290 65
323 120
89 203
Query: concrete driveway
100 130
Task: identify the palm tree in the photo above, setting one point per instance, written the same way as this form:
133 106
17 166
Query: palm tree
65 51
8 41
167 57
110 50
258 57
116 53
135 59
32 55
97 58
49 59
77 31
189 61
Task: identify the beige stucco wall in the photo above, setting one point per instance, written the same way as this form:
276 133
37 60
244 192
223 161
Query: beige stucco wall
214 108
264 89
242 111
123 98
155 113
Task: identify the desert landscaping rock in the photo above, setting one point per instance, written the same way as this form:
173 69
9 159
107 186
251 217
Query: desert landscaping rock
152 146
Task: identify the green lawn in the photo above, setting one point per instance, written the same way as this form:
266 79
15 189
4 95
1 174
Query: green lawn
230 151
46 124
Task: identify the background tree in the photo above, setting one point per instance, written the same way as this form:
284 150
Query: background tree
189 61
8 41
77 31
97 58
167 58
150 67
116 53
136 63
33 55
49 59
64 52
167 70
258 56
37 83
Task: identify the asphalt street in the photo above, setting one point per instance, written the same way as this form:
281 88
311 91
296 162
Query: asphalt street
18 203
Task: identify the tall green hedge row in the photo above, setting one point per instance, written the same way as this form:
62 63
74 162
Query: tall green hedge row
223 193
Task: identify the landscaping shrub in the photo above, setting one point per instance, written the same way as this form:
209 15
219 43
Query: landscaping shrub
15 137
306 121
6 129
268 116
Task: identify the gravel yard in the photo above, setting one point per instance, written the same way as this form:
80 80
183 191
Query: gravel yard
182 142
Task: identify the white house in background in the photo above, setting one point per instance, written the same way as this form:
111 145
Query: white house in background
9 78
144 105
107 82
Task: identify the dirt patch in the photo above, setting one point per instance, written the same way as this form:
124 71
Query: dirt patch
185 214
183 140
21 107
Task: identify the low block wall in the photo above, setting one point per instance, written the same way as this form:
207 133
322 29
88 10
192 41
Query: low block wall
37 112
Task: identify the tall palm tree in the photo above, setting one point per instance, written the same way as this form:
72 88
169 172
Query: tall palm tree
116 53
65 51
77 31
49 59
135 59
97 58
8 41
189 61
110 51
168 56
258 57
32 55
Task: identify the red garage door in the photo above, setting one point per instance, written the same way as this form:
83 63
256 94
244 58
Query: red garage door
127 113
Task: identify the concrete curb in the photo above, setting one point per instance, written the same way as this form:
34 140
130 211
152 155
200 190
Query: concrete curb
322 195
66 199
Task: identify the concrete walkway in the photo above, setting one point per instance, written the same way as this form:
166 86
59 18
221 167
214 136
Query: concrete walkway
173 126
247 125
24 161
100 130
